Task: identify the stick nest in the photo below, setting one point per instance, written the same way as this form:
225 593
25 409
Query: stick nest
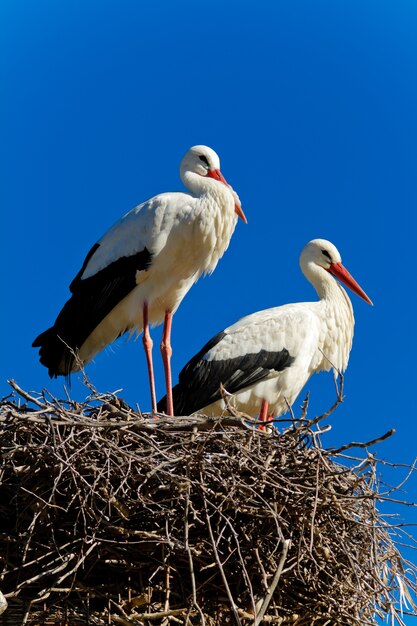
109 517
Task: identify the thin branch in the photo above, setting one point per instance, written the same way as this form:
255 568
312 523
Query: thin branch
26 395
358 444
220 565
285 547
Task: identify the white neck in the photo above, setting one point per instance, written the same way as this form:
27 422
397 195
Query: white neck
324 283
337 314
197 184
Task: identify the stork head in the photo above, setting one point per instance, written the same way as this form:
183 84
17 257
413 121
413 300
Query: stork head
319 255
202 161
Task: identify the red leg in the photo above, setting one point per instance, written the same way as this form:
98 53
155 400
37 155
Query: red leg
166 352
263 415
148 343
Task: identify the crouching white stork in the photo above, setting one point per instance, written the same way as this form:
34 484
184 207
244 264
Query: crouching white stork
140 270
266 358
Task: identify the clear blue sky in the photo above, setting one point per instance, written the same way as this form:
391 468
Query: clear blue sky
312 107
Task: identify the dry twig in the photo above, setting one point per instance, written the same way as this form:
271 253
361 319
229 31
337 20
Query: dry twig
110 517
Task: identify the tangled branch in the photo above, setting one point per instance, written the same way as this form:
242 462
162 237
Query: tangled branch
112 517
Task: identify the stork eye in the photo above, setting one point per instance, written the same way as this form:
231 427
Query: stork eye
204 159
327 254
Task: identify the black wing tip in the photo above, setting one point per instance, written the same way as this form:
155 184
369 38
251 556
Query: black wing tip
162 405
52 373
52 351
42 338
181 401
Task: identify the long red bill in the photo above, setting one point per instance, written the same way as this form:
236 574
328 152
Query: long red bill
343 275
217 175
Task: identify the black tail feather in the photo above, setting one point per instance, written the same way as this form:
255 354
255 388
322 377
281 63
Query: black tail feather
60 343
55 353
184 403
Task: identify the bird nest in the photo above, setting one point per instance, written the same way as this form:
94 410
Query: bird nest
109 517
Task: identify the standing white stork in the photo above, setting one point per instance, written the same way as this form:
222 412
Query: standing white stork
266 358
140 270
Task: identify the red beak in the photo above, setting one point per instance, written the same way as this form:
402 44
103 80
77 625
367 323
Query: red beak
343 275
217 175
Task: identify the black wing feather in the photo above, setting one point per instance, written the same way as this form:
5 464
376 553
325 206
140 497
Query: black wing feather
78 279
199 381
92 300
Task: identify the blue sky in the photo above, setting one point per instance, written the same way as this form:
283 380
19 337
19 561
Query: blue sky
312 109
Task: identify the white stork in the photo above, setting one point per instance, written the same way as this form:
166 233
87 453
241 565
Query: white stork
266 358
140 270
